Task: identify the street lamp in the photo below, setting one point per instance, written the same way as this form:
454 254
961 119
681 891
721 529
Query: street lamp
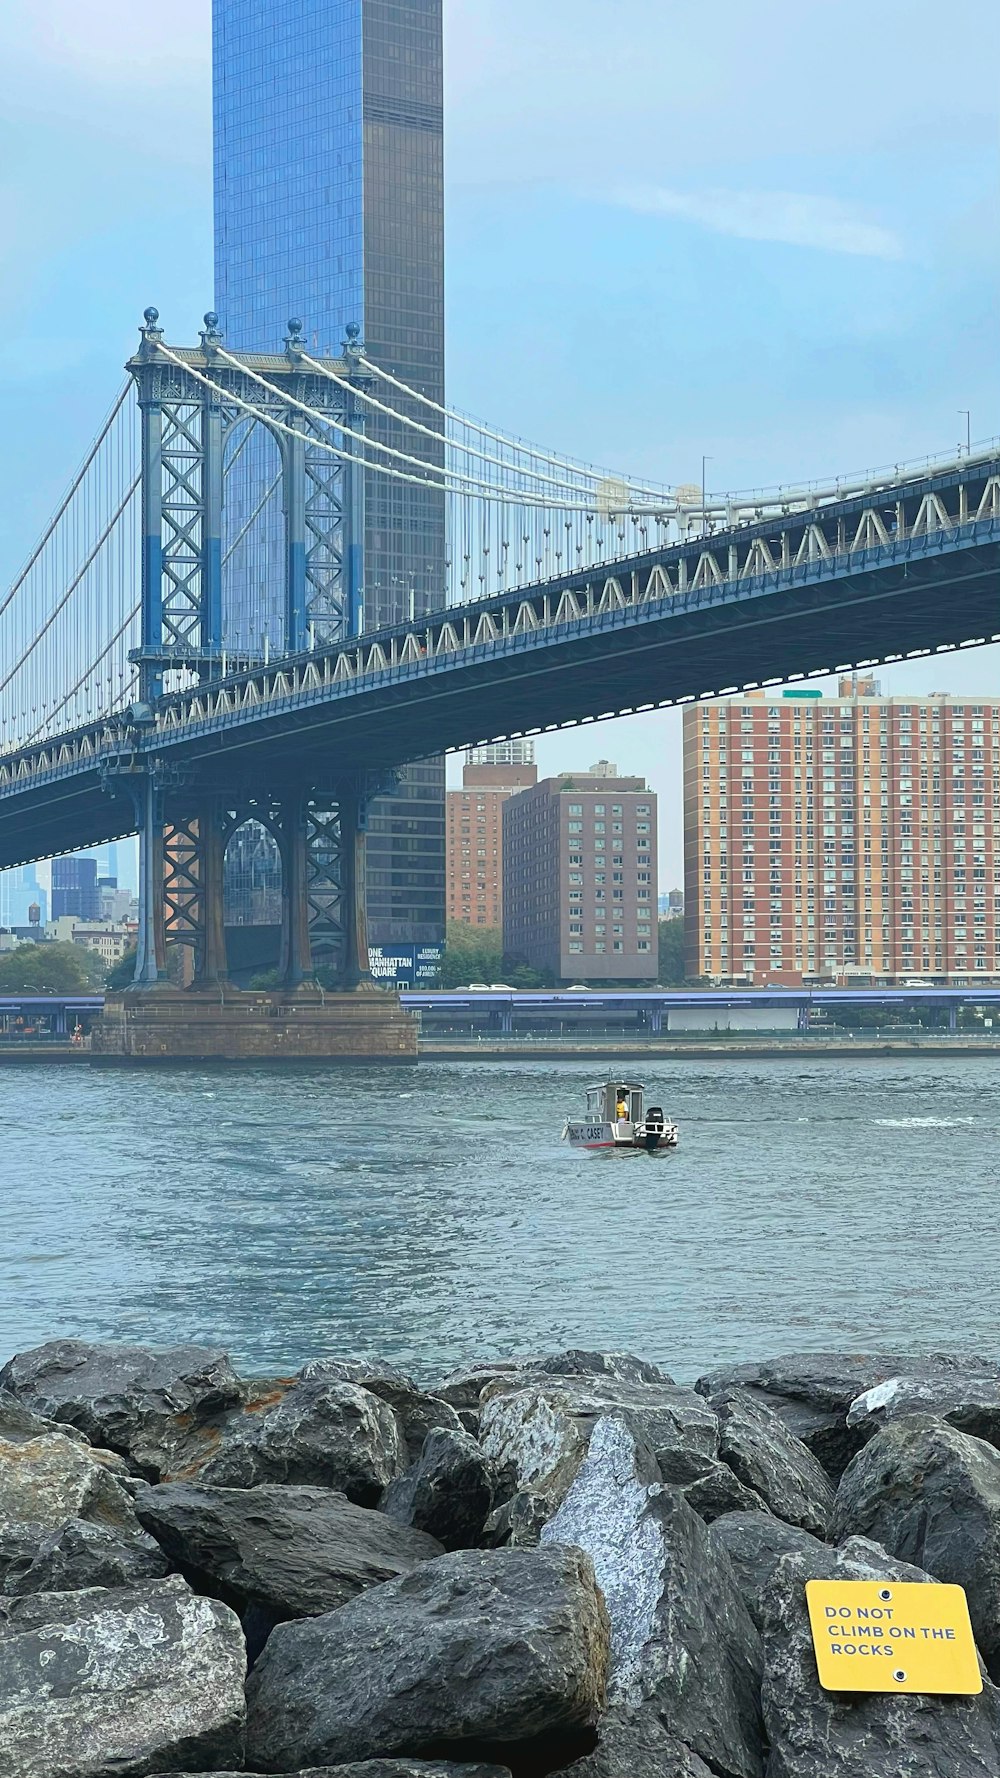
968 430
704 513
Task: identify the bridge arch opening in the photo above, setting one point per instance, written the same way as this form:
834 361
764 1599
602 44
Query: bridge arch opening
253 885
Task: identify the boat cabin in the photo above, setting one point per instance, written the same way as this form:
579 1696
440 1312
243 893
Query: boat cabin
603 1101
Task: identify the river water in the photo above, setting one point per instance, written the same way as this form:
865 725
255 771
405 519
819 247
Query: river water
431 1214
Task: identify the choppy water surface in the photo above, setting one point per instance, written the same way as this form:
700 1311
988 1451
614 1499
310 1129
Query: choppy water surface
431 1214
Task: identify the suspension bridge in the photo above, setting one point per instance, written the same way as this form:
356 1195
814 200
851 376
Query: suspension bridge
191 643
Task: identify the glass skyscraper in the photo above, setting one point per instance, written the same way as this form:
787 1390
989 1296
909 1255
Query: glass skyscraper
329 206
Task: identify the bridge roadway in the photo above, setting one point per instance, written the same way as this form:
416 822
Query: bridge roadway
905 568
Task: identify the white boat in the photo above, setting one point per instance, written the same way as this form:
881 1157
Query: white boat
616 1119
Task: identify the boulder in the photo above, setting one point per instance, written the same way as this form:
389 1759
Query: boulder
811 1392
48 1479
637 1746
931 1495
708 1485
378 1768
18 1422
320 1433
758 1447
539 1431
123 1397
120 1683
479 1650
463 1387
755 1543
448 1492
970 1403
278 1553
417 1412
82 1555
820 1734
681 1637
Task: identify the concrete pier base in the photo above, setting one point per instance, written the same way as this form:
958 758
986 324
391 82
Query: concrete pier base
221 1024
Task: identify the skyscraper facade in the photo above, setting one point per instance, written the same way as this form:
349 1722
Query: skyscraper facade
851 838
329 207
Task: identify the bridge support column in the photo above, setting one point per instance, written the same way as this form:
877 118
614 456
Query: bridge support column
210 956
353 836
656 1021
953 1018
150 961
296 955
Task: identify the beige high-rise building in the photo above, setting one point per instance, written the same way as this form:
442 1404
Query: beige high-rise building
846 838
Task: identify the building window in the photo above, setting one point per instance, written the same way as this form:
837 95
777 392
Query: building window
576 808
643 944
575 946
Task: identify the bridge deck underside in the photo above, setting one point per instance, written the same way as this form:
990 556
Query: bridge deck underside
706 643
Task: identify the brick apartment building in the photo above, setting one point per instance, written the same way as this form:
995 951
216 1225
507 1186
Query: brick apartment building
474 835
848 838
579 877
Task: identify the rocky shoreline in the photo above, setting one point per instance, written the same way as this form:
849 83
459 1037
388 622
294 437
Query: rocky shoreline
566 1563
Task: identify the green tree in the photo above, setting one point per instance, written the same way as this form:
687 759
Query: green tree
121 974
471 954
670 934
46 969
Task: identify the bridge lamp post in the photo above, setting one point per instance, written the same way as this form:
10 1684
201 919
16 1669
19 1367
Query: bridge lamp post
704 502
968 429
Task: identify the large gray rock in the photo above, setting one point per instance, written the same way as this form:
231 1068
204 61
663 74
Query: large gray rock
320 1433
681 1636
50 1478
18 1422
448 1492
819 1734
478 1649
278 1553
931 1495
637 1746
417 1412
970 1403
117 1684
812 1391
464 1387
83 1555
538 1432
708 1485
125 1398
757 1446
755 1543
380 1768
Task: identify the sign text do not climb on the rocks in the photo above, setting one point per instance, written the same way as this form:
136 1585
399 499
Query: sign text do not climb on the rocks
892 1636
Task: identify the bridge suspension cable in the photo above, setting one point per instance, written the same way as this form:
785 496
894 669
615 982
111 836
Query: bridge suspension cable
73 593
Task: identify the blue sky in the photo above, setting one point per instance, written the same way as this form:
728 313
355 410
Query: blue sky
767 233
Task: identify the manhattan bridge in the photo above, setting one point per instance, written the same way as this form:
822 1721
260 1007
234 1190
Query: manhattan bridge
185 648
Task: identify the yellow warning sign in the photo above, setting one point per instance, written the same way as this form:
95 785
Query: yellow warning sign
892 1636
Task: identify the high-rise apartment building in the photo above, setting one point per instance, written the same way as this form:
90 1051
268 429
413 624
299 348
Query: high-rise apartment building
853 837
329 207
474 828
579 877
74 888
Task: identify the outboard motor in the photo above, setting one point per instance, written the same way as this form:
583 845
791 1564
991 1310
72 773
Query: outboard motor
652 1132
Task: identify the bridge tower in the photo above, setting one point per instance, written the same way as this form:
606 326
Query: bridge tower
252 547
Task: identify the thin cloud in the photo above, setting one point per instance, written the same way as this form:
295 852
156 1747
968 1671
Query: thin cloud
794 218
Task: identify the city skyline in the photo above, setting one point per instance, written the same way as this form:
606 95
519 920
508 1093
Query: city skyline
788 309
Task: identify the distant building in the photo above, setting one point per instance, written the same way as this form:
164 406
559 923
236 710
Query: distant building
579 877
329 207
74 888
252 877
108 939
853 838
520 752
474 837
20 890
671 904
